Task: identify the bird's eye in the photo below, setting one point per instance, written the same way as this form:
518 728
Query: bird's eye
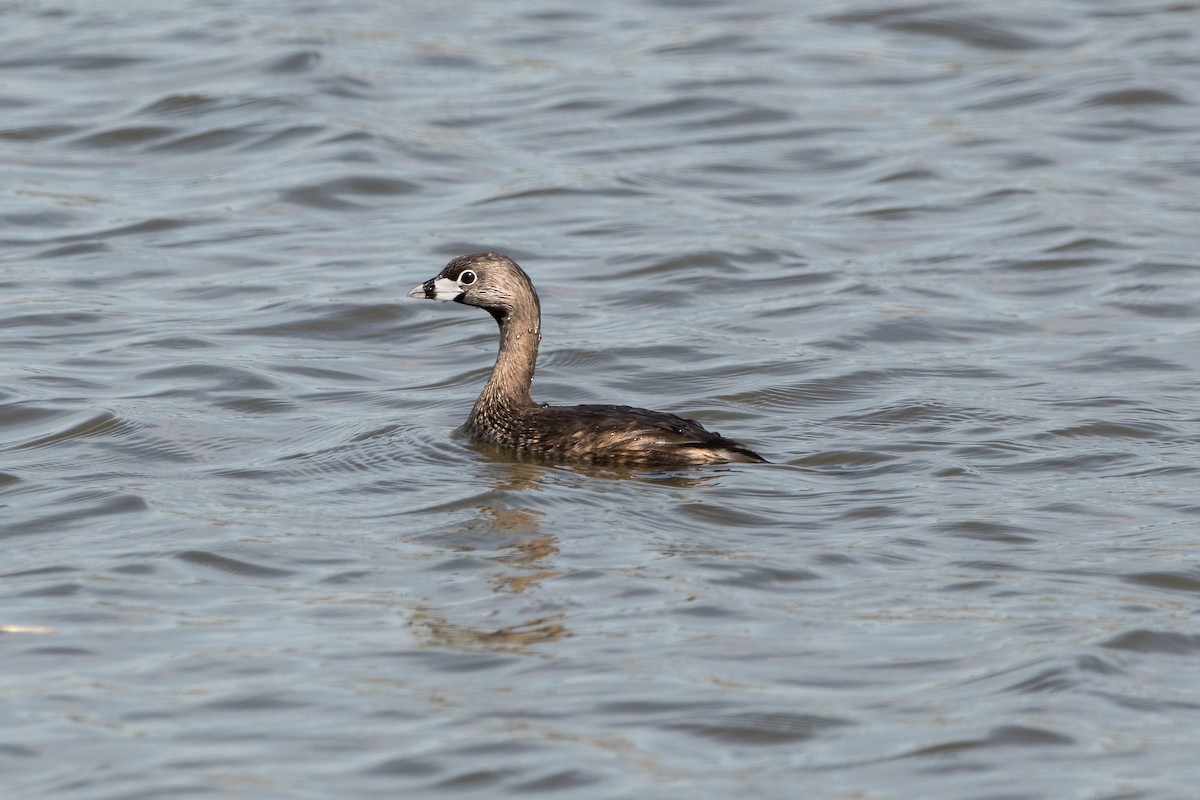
466 278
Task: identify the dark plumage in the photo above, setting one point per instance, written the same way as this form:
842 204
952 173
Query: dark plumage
505 414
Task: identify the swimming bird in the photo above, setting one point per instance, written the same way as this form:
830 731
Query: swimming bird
505 414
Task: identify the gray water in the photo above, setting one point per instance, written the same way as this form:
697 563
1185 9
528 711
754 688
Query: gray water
937 262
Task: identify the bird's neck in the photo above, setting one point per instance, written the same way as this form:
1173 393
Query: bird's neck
520 334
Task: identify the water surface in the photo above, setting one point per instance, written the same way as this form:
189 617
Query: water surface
937 262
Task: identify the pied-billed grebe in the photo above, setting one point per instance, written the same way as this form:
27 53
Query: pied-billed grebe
506 416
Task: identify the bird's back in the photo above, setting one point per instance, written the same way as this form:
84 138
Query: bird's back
608 434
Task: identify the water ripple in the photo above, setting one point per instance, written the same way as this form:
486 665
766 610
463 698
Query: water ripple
935 260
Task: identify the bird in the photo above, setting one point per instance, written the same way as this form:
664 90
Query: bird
505 415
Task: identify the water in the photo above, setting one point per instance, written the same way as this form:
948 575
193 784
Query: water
936 262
